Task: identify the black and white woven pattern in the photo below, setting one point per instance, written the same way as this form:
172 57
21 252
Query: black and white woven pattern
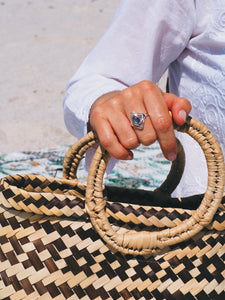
63 258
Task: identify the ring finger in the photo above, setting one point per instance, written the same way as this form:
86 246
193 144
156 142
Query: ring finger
142 125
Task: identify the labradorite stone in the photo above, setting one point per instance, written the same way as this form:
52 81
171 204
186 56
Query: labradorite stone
136 120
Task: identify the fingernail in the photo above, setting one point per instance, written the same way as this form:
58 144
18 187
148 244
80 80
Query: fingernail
130 156
172 156
182 114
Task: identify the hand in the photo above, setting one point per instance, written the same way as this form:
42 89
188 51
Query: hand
109 117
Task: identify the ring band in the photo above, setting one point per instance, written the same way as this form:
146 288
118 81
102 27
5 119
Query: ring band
137 120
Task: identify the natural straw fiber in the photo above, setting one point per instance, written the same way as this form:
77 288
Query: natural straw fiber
146 242
142 245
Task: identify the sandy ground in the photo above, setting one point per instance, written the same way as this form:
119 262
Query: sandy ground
42 44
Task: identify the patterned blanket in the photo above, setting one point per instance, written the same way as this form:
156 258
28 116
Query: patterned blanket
147 170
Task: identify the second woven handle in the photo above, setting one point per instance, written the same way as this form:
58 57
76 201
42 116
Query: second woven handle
145 242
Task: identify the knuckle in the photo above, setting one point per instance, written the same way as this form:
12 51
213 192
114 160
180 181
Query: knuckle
184 100
115 101
95 116
106 142
147 85
163 124
148 138
132 94
96 112
131 143
185 103
128 93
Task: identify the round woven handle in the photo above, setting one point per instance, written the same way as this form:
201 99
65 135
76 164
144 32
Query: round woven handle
76 152
48 195
145 242
52 196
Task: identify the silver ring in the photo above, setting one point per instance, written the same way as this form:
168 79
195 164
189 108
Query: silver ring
137 120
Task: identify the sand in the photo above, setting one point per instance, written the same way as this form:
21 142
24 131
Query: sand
42 44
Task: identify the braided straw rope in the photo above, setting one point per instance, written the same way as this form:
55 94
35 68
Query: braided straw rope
145 242
50 257
65 197
46 195
51 196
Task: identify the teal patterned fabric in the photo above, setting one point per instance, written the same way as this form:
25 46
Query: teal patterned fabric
147 170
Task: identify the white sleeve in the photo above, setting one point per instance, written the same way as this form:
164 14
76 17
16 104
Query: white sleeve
144 37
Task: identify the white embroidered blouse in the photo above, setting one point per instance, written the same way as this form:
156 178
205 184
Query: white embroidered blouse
144 39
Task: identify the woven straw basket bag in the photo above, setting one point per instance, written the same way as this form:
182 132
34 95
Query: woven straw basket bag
61 239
